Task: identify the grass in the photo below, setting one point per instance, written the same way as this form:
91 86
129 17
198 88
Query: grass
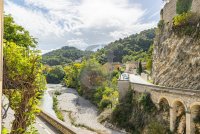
55 108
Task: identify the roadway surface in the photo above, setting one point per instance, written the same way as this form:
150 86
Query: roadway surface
138 79
44 127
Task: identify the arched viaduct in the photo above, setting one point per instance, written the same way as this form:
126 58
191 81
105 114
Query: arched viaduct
185 100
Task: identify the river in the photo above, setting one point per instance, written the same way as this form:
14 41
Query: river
74 106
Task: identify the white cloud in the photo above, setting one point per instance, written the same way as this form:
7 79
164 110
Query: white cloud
72 20
79 43
131 29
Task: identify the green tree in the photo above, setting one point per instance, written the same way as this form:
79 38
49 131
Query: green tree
91 77
17 34
183 6
149 64
23 82
139 69
55 75
72 79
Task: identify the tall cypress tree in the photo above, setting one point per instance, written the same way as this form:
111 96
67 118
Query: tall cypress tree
140 68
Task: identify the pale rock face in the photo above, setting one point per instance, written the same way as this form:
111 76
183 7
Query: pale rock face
177 61
176 58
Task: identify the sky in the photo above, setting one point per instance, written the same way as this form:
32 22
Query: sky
82 23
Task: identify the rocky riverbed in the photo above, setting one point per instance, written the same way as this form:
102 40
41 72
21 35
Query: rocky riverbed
78 112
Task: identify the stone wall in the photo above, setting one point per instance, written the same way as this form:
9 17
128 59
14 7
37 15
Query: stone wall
59 125
169 11
196 6
186 96
123 87
190 99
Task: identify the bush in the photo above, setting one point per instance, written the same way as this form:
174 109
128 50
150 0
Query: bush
183 19
156 127
149 64
57 111
161 24
123 112
146 103
57 93
186 24
183 6
105 102
4 130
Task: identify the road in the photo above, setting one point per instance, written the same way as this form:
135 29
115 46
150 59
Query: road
41 125
137 79
44 127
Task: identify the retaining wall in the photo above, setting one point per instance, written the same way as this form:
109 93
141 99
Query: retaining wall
59 125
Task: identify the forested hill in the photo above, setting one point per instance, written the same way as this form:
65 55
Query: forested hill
131 48
63 56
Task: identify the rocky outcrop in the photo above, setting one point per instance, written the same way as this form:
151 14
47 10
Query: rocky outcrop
177 61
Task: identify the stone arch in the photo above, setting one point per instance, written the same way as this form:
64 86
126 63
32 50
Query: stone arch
179 116
164 99
164 111
194 104
195 118
177 101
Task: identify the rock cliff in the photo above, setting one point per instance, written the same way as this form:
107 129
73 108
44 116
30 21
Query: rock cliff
177 59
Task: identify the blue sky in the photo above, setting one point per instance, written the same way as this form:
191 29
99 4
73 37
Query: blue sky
81 23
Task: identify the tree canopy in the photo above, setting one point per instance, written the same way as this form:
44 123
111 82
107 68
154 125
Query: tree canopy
23 81
64 56
134 47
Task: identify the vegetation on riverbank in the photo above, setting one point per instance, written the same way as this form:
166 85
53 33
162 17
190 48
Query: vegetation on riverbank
54 75
94 81
56 109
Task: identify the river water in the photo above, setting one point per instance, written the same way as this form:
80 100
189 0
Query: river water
47 101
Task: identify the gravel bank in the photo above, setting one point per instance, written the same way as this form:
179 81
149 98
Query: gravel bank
82 111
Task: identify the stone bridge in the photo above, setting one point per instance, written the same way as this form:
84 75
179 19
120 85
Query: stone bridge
185 99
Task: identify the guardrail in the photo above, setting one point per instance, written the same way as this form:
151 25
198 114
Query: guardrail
58 124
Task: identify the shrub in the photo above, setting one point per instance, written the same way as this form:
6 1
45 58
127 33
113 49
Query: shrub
183 6
105 102
156 127
123 112
161 24
186 24
57 111
57 93
146 103
4 130
183 19
149 64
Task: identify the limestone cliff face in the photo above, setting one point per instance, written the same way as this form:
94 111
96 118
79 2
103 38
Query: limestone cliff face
176 61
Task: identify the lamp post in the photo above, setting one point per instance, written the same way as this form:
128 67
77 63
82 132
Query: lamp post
1 58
